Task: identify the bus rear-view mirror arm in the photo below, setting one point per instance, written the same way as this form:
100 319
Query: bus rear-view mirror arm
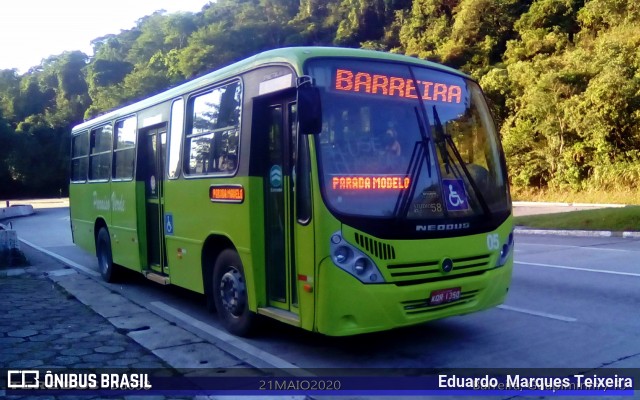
309 107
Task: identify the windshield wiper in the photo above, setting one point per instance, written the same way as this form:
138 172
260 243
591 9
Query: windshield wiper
419 155
442 140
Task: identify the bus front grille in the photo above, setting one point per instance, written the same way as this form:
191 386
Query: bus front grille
430 271
383 251
420 306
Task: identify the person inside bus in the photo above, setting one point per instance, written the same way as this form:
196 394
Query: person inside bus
393 147
228 162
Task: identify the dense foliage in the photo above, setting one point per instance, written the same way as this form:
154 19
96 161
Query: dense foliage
562 76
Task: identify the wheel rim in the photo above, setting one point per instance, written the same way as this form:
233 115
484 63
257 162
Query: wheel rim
232 292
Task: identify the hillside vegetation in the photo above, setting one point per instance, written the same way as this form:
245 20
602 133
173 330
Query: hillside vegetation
562 77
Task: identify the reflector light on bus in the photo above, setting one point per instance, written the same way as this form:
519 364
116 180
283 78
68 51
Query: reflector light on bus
384 85
227 193
370 182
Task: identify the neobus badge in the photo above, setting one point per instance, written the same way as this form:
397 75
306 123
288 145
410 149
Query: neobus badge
226 193
384 85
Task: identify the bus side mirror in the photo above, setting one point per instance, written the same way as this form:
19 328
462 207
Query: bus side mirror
309 109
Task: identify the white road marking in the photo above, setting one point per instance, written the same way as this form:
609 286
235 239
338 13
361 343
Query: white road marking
60 258
576 247
601 271
62 272
231 340
538 313
13 272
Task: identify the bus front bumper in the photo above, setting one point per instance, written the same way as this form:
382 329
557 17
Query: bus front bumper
345 306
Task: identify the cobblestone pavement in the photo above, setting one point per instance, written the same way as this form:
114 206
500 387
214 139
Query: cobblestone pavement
42 327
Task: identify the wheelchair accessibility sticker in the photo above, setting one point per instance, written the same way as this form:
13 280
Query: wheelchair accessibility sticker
168 224
456 196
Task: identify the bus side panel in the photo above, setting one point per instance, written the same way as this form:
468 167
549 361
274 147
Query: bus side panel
82 216
185 201
90 202
125 240
100 196
195 218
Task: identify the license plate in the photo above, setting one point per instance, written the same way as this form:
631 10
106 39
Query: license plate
443 296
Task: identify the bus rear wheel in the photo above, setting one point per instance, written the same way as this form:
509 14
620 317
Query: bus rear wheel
105 258
230 294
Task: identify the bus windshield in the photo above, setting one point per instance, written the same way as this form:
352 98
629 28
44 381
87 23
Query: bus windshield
385 152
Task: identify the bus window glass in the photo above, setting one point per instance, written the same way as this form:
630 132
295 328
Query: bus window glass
100 153
79 159
175 137
211 145
124 152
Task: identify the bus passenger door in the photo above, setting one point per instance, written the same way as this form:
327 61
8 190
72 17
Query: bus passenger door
153 162
279 121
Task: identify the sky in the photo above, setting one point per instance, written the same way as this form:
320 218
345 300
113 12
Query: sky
31 30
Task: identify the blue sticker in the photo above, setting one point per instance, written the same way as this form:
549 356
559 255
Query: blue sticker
275 176
455 195
168 224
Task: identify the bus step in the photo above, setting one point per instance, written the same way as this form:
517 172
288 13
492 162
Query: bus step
157 278
281 315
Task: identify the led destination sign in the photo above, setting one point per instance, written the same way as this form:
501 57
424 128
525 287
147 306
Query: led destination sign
386 85
384 182
226 193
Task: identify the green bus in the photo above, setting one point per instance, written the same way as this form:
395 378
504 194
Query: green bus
341 191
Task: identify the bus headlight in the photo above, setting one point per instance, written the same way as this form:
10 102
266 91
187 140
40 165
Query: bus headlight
342 254
353 261
361 265
505 251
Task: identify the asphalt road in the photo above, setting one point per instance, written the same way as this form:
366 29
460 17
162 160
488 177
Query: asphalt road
573 303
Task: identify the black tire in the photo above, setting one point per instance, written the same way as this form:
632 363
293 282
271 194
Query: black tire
105 258
230 294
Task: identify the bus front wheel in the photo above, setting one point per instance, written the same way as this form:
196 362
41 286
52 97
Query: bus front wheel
105 258
230 294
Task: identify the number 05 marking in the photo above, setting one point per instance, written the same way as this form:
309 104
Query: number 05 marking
493 241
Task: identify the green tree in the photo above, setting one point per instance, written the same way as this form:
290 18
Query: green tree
9 92
548 27
599 15
480 33
426 27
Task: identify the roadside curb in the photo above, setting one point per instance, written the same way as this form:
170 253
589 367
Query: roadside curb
208 335
577 233
16 211
558 204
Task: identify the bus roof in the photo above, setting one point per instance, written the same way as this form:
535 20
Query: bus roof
295 56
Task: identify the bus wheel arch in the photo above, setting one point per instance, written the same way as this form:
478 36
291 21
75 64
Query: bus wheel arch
99 224
211 249
226 289
108 270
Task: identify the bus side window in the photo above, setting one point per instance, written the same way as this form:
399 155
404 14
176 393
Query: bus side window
80 157
100 153
124 152
212 141
175 138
